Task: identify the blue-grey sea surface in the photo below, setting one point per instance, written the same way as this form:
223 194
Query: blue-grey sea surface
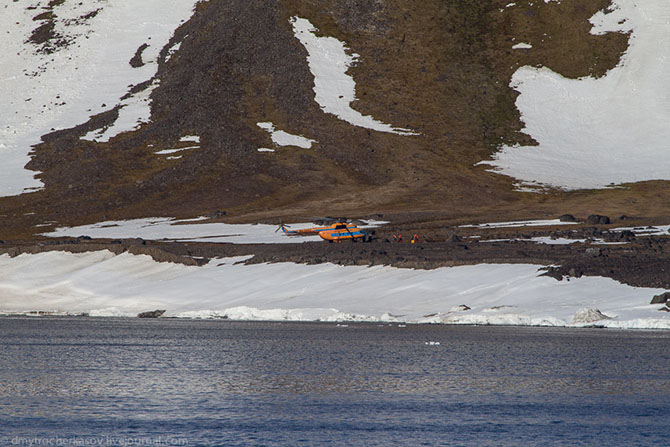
115 381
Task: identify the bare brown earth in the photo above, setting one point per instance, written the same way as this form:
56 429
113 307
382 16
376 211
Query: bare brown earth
439 67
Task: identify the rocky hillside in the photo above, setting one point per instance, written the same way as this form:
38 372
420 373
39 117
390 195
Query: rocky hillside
432 100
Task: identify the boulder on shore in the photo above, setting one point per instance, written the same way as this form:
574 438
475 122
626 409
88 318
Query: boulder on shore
661 299
597 219
567 218
151 314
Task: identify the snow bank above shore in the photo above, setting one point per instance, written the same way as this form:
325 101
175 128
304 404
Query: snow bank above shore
102 283
188 230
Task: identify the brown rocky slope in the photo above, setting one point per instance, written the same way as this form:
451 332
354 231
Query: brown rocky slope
441 68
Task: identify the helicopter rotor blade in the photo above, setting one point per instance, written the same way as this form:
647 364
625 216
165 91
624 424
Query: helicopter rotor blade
281 225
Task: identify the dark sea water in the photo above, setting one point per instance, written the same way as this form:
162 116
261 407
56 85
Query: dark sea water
97 381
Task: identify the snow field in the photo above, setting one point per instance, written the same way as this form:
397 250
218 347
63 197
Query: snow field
595 133
185 139
188 230
42 92
102 283
520 223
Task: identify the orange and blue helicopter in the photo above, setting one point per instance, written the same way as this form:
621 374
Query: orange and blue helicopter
339 230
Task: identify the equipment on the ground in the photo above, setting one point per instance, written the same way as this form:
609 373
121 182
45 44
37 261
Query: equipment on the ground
340 230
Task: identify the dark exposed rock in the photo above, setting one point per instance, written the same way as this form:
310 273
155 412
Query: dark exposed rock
136 61
48 15
554 272
567 218
593 251
216 214
661 298
43 33
90 15
597 219
151 314
627 236
619 236
575 273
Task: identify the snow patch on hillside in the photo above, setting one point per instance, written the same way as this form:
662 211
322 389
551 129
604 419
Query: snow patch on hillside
520 223
334 89
282 138
85 72
178 149
185 139
106 284
133 112
593 133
